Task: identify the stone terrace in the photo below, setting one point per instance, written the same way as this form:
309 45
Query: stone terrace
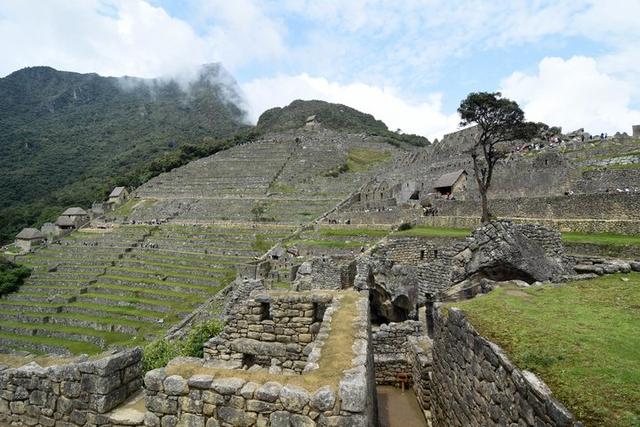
290 173
121 287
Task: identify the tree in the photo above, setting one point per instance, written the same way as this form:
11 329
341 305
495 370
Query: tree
499 121
258 210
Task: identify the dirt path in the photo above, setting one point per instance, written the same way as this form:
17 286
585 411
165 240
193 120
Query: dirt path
397 409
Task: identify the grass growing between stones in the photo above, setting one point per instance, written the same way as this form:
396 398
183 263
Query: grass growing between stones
354 231
425 231
602 239
361 159
75 347
581 338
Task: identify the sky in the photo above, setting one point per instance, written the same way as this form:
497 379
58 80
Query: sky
573 63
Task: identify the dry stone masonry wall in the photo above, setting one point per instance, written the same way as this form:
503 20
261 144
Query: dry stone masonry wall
224 399
475 384
77 394
272 329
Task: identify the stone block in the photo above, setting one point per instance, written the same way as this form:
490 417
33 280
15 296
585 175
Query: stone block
191 420
260 406
212 397
294 398
236 417
175 385
323 399
200 381
227 385
280 419
269 391
353 390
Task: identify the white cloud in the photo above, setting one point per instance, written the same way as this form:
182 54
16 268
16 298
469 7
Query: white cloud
423 118
134 37
574 93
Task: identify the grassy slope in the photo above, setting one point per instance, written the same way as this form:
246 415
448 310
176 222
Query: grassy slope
581 339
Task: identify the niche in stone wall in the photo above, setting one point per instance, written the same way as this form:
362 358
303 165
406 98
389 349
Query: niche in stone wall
249 360
265 311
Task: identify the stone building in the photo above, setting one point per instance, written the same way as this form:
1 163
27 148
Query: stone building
452 183
28 238
636 131
118 196
72 218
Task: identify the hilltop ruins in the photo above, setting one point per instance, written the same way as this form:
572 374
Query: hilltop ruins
265 236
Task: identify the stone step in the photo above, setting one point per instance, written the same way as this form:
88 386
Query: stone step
25 343
57 276
41 318
116 301
38 331
189 259
136 291
164 276
213 272
159 286
103 310
27 306
38 297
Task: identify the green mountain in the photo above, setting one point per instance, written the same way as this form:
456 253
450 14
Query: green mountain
332 116
68 138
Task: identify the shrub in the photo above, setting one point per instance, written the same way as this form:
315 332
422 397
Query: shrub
405 226
11 276
159 352
193 344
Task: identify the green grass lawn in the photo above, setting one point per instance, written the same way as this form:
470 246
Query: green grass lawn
353 231
425 231
582 339
361 159
602 239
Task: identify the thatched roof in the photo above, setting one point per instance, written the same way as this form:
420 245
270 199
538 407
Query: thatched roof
448 179
74 212
117 192
30 234
65 221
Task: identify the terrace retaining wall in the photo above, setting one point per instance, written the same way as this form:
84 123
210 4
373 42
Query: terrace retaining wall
475 384
76 394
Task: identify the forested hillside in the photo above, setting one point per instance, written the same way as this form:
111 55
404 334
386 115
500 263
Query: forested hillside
68 138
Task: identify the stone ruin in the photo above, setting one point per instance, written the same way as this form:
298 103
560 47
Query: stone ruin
283 332
314 357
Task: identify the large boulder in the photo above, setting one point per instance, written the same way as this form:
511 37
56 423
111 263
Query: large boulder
501 250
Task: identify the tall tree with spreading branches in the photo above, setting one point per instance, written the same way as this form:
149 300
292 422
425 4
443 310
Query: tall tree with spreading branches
500 122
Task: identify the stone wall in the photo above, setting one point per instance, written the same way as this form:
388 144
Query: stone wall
475 384
391 348
326 272
272 329
579 206
76 394
421 360
240 398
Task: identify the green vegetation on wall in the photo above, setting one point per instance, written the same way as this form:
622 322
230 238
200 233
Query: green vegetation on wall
12 276
159 352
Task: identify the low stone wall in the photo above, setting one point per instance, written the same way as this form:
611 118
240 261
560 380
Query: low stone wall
76 394
240 398
475 384
618 226
601 212
390 349
420 359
